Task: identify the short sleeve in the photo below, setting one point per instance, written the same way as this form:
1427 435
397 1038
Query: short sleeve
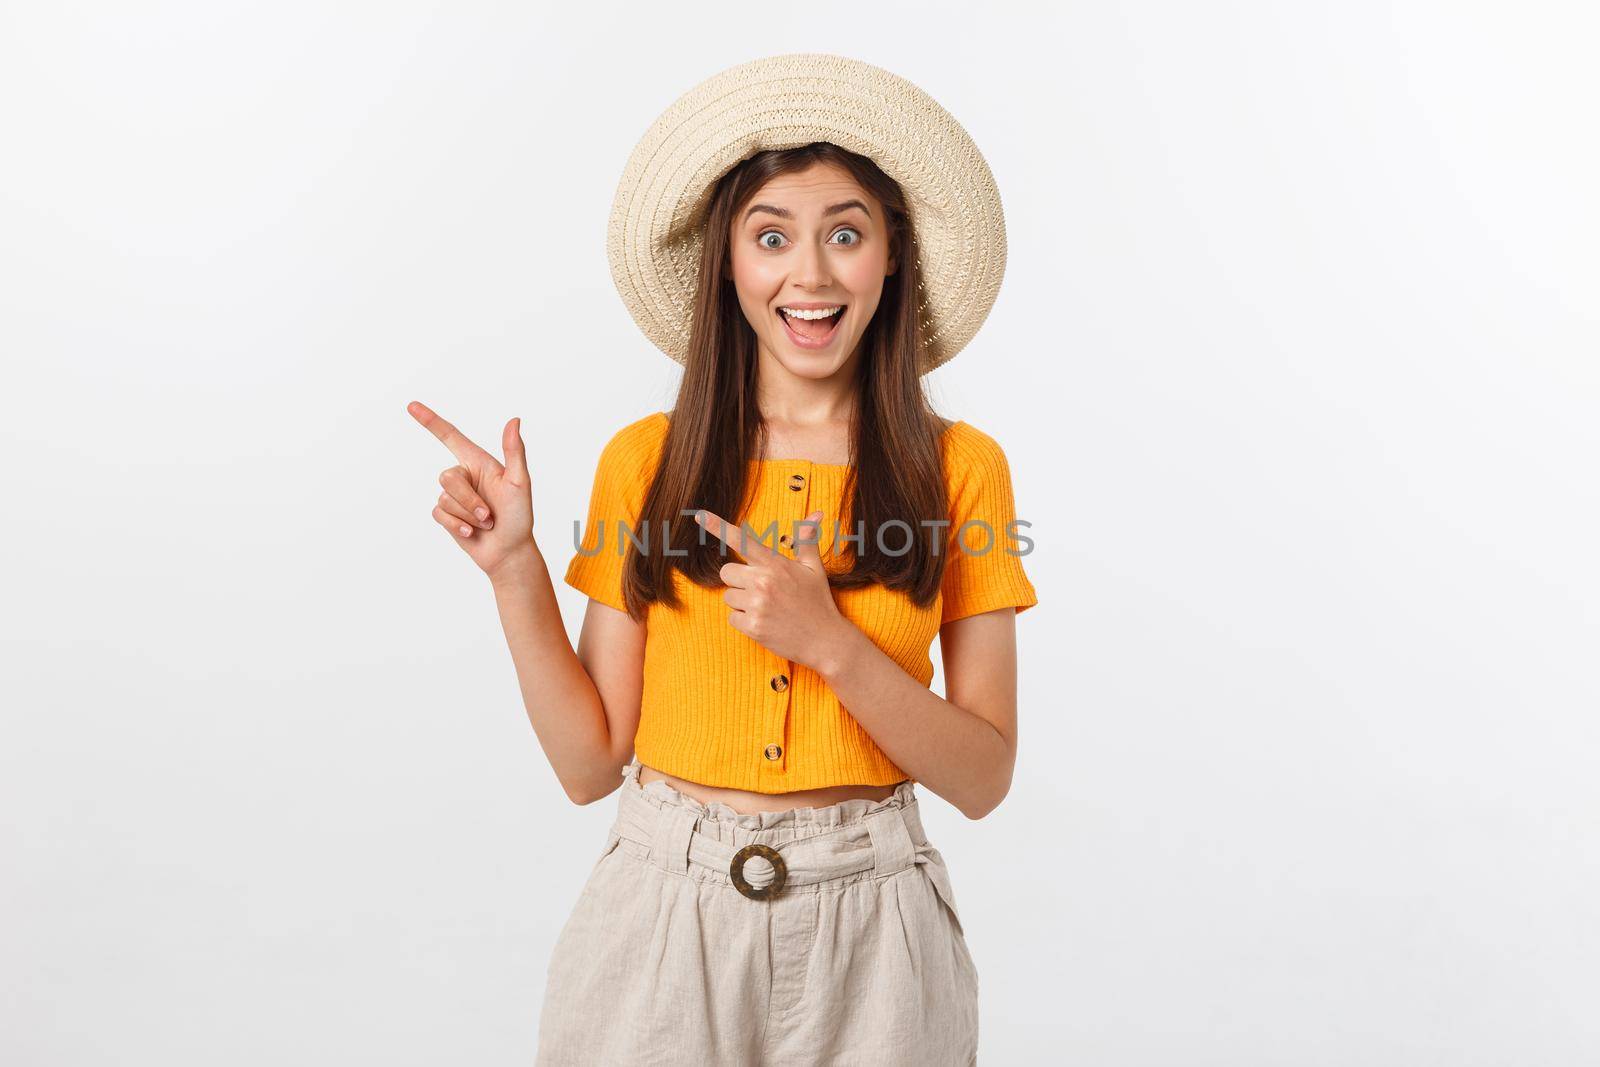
984 570
615 502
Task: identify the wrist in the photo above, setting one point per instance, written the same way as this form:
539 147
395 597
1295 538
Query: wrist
518 567
839 650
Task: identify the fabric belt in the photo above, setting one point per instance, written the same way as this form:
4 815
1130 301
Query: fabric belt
884 841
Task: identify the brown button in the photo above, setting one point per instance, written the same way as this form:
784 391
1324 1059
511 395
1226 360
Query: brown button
783 539
780 682
780 871
772 751
797 482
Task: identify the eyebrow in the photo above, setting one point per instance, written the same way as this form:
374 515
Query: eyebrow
785 213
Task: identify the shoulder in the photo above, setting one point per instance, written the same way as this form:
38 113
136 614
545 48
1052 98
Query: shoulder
646 432
969 450
638 443
631 454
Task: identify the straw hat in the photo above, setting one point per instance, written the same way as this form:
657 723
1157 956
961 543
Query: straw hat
653 237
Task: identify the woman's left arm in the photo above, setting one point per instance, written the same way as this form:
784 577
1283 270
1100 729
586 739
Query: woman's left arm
962 746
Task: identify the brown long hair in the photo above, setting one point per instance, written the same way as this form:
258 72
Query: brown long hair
716 426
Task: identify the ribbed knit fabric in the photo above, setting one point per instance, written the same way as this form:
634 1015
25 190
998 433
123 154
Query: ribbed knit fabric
714 700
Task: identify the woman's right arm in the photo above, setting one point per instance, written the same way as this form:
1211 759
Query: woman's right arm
583 705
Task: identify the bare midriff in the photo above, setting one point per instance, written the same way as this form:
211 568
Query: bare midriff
746 802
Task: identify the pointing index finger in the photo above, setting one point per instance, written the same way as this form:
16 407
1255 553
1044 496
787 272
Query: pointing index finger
751 548
460 446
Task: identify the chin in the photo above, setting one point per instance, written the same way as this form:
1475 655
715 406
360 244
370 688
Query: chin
802 365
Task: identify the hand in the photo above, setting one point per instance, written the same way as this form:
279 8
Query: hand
783 604
486 506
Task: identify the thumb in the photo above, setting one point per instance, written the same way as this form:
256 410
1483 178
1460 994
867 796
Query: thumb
516 454
805 545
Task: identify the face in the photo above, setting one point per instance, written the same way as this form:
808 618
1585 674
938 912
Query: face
810 241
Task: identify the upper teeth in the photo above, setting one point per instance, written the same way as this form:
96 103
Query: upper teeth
812 313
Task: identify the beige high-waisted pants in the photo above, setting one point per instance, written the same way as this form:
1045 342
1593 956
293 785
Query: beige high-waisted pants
858 958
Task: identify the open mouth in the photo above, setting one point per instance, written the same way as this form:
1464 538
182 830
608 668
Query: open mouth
813 333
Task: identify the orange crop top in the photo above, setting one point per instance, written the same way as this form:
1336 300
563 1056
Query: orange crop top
719 708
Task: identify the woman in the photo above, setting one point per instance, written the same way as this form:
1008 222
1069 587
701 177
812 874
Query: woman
808 235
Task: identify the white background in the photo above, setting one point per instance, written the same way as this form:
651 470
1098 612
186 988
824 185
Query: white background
1295 364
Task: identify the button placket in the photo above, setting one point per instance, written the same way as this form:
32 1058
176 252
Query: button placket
778 684
795 496
799 483
798 486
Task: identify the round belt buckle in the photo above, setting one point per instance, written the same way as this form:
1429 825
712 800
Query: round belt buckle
779 871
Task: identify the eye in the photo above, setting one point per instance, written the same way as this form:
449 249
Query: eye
855 238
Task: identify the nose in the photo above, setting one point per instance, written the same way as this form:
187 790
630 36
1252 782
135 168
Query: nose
811 270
